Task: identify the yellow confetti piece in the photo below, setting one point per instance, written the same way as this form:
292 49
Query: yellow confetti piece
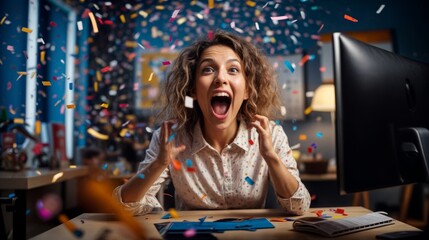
46 83
18 120
70 106
104 105
22 73
302 137
134 15
95 86
98 75
96 134
173 213
122 17
143 13
308 110
203 196
93 22
38 127
2 20
123 132
154 32
211 4
182 20
251 3
33 74
72 166
150 77
42 56
26 30
116 172
57 176
159 7
131 44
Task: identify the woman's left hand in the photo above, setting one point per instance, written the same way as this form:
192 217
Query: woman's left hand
262 125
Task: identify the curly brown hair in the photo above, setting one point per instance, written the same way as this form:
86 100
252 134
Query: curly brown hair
260 81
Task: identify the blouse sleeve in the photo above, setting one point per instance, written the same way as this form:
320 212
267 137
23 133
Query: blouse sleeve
149 202
299 202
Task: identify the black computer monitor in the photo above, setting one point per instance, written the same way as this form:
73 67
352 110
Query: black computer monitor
382 117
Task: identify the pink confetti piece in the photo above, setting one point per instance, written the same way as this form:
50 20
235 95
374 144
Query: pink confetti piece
320 29
279 18
136 86
9 86
190 233
53 24
210 35
166 63
106 69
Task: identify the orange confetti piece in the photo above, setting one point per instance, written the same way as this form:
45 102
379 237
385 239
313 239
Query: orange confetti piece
251 3
308 110
176 164
302 137
159 7
203 196
350 18
18 120
211 4
104 105
93 22
26 30
173 213
70 106
277 220
42 56
304 60
46 83
131 44
106 69
116 172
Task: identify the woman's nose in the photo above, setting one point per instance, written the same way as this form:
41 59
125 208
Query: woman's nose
221 78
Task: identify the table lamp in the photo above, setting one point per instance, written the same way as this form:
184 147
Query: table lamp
324 100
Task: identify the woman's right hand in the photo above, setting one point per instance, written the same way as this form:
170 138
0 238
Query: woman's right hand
168 149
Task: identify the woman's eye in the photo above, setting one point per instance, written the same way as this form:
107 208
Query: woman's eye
208 70
234 70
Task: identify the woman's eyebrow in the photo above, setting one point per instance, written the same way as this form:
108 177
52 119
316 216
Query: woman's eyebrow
210 60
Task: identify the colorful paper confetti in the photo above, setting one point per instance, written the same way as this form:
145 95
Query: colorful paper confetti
249 180
350 18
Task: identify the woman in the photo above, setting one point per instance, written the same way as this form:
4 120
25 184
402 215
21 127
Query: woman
222 153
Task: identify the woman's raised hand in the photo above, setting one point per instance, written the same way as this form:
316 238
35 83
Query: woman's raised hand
168 149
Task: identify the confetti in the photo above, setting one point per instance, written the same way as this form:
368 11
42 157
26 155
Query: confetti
12 195
57 176
173 213
203 196
97 135
290 66
251 142
104 105
71 106
189 102
46 83
176 164
140 175
249 180
93 22
116 172
319 134
304 60
211 4
18 120
296 146
202 219
79 25
70 226
302 137
190 233
150 76
53 24
251 3
11 110
122 17
278 220
188 162
380 8
26 30
166 216
166 63
3 19
106 69
308 110
310 149
279 18
172 136
9 86
350 18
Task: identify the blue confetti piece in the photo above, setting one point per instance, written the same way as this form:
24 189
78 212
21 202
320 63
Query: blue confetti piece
172 136
188 162
78 233
319 134
312 57
141 175
70 86
294 128
278 122
289 66
314 145
249 181
12 195
326 216
105 166
202 219
166 216
314 8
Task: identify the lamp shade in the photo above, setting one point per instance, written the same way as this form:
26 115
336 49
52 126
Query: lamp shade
324 98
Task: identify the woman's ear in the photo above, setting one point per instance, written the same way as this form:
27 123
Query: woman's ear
246 94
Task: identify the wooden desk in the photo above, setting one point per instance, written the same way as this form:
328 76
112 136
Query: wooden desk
94 224
27 179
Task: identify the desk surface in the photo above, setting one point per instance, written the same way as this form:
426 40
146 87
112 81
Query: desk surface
94 224
33 178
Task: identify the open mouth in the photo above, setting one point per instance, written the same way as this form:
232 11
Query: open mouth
220 103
